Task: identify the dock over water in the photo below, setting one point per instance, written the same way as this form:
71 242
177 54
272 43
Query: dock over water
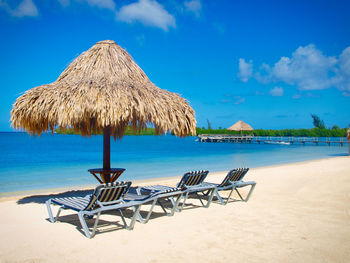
340 141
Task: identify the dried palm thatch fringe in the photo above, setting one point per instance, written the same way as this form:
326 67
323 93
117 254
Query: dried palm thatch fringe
102 87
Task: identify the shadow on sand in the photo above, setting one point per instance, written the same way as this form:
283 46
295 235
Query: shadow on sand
111 224
41 199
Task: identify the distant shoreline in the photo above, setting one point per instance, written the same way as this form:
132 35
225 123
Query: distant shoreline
314 132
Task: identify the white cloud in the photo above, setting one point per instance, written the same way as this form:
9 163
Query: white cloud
277 92
343 76
225 101
194 6
148 12
107 4
64 2
307 69
25 8
239 100
245 69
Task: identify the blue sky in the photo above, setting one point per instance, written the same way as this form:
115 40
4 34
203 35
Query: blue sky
268 63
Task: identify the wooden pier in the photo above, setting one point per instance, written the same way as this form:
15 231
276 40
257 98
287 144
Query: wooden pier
272 140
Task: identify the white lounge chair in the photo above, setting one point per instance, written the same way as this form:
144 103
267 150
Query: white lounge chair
191 183
112 196
233 181
106 197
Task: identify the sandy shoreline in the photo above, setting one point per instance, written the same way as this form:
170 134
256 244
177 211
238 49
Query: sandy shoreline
171 180
298 213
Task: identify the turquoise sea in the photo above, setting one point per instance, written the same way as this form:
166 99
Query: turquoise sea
52 161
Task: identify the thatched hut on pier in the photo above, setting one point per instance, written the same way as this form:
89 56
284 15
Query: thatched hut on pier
240 126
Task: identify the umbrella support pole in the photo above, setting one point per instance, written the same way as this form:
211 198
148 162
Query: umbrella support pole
107 152
107 174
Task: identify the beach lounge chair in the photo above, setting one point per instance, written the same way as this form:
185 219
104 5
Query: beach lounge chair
191 183
233 181
106 197
136 200
113 196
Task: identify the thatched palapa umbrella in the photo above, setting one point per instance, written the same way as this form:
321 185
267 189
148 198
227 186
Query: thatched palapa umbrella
240 126
102 90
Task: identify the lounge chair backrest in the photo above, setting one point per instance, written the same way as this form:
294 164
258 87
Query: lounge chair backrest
192 178
234 176
107 194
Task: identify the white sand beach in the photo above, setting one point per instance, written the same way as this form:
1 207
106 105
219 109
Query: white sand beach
298 213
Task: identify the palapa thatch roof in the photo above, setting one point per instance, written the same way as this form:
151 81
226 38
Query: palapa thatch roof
348 134
102 87
240 126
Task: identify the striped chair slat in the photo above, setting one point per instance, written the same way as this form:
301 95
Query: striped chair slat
107 192
102 196
193 178
75 203
115 194
234 175
245 171
225 181
167 191
91 203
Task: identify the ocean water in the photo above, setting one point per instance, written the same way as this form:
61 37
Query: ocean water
51 161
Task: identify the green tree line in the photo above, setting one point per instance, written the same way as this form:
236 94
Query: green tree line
314 132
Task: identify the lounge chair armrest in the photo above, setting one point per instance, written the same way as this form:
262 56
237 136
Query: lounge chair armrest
241 183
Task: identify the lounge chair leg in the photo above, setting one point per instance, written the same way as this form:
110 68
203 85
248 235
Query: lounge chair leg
95 224
49 210
162 206
84 225
174 204
133 219
123 218
183 202
249 194
210 199
200 198
172 200
58 213
48 205
239 194
229 196
216 192
145 220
